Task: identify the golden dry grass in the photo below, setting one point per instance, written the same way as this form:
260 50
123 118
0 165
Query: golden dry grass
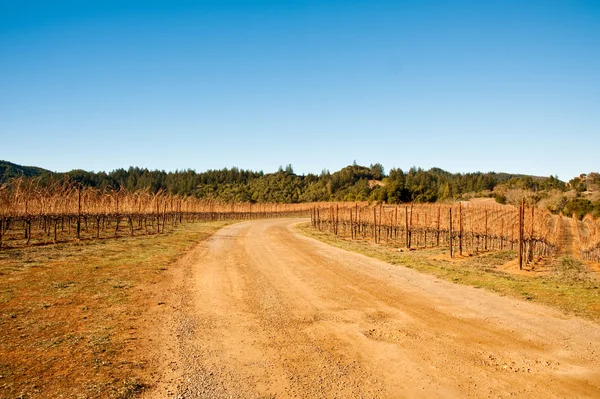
563 282
70 313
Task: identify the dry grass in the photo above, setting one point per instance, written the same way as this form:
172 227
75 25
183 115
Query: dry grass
480 226
565 284
69 313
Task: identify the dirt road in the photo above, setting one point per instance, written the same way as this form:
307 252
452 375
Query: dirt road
266 313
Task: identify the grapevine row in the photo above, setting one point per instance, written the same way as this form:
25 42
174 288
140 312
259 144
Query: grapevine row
461 228
590 240
34 214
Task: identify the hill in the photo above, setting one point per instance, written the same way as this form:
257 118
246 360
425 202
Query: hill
9 170
351 183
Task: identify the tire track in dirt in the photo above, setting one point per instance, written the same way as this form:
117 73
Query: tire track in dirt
267 313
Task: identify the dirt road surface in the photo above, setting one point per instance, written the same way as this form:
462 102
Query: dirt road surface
262 312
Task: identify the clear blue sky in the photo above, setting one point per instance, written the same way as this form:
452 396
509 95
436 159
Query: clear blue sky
506 85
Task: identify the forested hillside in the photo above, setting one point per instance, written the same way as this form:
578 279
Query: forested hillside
10 170
352 183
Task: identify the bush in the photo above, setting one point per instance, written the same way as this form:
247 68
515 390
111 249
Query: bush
501 199
581 207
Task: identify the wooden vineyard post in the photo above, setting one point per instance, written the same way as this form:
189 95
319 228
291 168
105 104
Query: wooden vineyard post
117 217
396 223
531 241
410 224
460 229
130 220
351 226
356 227
375 224
2 227
164 216
28 230
337 218
161 226
181 212
485 233
78 212
175 217
25 225
318 219
450 233
332 210
437 240
521 214
157 224
424 228
502 235
380 217
406 226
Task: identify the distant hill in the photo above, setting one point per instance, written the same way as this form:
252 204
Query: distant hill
10 170
351 183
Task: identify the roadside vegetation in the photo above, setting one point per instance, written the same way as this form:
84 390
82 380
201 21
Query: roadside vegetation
71 314
564 282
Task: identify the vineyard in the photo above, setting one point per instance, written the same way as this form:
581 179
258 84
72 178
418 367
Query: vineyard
588 234
32 214
462 228
36 214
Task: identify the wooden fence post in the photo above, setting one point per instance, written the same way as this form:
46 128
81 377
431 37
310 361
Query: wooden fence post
78 212
485 233
450 234
356 227
531 241
502 235
438 227
337 218
460 230
317 215
521 214
164 216
380 217
396 224
375 224
406 226
351 226
410 224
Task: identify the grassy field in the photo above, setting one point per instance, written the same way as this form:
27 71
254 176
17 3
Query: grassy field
70 313
564 283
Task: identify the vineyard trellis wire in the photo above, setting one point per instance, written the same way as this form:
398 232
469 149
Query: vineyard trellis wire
32 213
462 228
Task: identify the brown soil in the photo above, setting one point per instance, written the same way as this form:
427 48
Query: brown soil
70 314
540 268
258 311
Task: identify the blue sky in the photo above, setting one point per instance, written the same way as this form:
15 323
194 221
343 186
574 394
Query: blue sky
463 85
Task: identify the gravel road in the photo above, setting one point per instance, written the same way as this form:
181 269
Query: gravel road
263 312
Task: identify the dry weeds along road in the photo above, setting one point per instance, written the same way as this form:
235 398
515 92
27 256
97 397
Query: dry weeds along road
262 312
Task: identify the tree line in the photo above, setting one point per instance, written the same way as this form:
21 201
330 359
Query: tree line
352 183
